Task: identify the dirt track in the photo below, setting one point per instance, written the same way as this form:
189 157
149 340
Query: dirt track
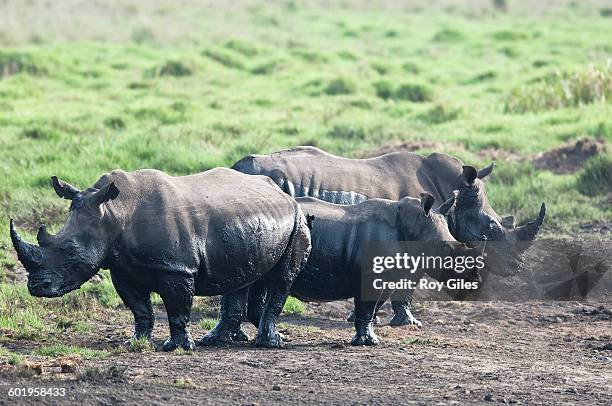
536 353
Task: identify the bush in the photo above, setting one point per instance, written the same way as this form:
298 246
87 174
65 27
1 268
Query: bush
174 68
562 89
224 58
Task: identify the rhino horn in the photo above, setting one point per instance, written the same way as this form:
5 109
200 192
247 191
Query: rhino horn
29 254
529 231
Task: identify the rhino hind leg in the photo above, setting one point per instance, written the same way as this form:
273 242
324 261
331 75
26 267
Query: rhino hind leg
176 291
402 316
228 328
281 279
139 302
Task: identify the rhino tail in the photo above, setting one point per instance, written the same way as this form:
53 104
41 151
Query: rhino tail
309 220
298 249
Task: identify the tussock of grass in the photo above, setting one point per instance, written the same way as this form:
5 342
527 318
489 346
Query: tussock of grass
141 344
340 86
96 374
413 92
174 68
419 341
56 350
347 132
225 58
208 323
448 35
563 89
13 63
596 178
440 114
294 306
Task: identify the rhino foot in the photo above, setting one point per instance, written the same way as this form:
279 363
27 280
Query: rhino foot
185 342
351 318
272 340
405 320
368 339
240 336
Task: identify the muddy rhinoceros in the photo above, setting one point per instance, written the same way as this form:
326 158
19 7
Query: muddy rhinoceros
309 171
211 233
334 269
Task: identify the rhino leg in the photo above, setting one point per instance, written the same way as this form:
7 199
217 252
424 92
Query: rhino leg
228 328
281 280
364 328
177 292
257 300
402 316
138 300
351 317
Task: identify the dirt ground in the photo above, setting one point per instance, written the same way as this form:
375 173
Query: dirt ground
477 352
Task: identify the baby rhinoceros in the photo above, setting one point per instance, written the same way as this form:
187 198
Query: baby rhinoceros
333 270
211 233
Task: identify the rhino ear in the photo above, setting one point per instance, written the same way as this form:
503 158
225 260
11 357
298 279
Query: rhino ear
447 205
469 174
486 171
427 201
106 193
64 189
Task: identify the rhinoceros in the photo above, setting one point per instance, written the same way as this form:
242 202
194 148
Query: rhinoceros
309 171
334 269
211 233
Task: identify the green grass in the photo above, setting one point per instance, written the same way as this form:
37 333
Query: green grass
294 306
56 350
207 323
80 100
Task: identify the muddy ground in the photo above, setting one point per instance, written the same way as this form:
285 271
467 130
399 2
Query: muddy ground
478 352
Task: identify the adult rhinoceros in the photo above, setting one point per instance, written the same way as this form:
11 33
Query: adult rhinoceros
335 268
211 233
309 171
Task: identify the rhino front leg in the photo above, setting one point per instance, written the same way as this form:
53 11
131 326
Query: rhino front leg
138 300
364 328
402 316
177 292
228 328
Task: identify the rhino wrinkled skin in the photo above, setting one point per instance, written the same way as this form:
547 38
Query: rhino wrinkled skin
309 171
212 233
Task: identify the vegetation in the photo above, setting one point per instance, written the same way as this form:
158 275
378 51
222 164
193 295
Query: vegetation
483 83
294 306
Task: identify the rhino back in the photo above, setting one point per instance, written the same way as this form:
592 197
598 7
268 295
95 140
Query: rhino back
227 226
309 171
337 234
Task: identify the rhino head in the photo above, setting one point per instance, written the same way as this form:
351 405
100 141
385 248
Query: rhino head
63 262
475 220
423 223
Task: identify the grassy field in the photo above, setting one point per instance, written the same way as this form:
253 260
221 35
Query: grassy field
191 87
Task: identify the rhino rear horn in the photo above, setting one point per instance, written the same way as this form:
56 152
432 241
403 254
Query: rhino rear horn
64 189
29 254
486 171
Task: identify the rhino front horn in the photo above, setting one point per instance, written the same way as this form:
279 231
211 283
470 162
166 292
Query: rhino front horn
29 254
529 231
